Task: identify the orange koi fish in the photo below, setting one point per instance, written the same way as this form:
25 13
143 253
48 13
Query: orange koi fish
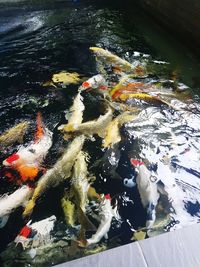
27 161
130 88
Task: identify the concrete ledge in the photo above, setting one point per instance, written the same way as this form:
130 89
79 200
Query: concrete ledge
179 248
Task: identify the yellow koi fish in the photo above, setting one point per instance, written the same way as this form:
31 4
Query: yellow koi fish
60 171
112 131
91 127
80 183
66 78
143 96
69 211
13 135
119 65
113 60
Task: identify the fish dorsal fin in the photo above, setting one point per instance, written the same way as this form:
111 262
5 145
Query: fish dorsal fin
39 130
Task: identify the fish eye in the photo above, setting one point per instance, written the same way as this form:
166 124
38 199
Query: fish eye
125 181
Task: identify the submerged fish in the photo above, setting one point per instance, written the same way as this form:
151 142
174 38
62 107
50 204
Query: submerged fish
13 135
69 211
9 202
60 171
80 186
80 183
66 78
92 127
27 160
112 131
76 114
106 213
148 191
114 60
36 234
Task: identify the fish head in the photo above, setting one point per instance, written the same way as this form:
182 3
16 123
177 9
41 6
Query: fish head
107 196
136 163
11 160
129 182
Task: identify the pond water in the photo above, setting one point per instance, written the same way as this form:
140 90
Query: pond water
39 39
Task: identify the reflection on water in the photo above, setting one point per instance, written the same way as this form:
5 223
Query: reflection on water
38 40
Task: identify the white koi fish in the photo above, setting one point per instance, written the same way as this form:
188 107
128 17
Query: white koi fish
36 234
9 202
75 114
106 213
148 191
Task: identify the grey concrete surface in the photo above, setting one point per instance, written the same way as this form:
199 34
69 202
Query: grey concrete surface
175 249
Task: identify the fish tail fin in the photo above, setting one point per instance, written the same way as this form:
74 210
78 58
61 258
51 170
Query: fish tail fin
29 208
39 130
3 220
85 222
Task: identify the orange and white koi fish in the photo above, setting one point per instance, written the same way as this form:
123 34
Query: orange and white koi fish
9 202
36 234
106 213
148 191
27 160
60 171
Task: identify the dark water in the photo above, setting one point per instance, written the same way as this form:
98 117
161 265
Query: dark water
39 39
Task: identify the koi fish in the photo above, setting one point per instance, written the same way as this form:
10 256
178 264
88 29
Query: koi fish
27 160
36 234
66 78
95 82
9 202
148 191
92 127
69 211
60 171
79 181
106 213
135 87
112 131
113 60
143 96
14 135
76 113
80 186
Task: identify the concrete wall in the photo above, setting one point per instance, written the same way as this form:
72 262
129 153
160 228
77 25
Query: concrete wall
181 16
